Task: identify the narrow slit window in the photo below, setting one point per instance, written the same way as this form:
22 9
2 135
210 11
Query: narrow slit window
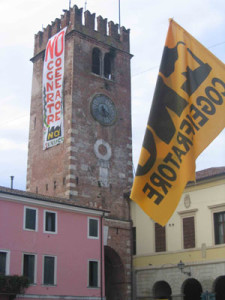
108 66
96 61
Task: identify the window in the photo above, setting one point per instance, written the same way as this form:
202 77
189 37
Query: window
30 218
93 273
49 270
107 66
29 266
219 227
93 228
160 238
50 222
96 61
4 262
188 232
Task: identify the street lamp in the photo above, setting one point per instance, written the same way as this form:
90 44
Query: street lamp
181 266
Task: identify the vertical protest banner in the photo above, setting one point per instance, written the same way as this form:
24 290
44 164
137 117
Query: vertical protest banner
187 113
52 90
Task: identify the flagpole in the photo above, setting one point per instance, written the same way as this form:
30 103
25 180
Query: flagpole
119 15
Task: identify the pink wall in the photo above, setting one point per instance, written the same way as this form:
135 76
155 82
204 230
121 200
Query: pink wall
70 245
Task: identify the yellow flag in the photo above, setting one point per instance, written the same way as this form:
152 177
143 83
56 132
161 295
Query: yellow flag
188 112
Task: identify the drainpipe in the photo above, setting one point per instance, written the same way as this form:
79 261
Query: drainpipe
126 196
101 265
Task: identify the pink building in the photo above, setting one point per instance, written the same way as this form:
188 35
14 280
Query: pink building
57 245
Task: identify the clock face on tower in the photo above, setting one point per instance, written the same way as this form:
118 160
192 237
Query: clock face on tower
103 110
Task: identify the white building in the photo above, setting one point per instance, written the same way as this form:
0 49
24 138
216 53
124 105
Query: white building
186 257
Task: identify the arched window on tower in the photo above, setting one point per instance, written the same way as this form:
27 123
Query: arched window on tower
108 66
96 61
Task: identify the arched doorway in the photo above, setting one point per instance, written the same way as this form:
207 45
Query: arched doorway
162 290
114 275
219 288
192 289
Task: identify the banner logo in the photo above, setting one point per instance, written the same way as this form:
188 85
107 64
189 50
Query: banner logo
187 113
52 90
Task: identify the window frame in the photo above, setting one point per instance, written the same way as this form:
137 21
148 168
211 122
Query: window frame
165 236
219 208
44 222
216 228
7 261
36 218
91 236
55 270
35 266
98 274
184 236
184 215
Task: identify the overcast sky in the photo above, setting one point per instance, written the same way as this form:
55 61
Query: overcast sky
148 22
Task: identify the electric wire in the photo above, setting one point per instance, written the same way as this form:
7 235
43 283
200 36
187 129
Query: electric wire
137 74
152 68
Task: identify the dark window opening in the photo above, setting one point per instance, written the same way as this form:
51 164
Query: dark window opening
93 273
30 219
219 227
3 263
49 270
28 267
192 289
108 66
93 228
162 290
219 287
96 61
50 221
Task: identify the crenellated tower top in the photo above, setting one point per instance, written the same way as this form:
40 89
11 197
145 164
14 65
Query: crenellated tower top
73 20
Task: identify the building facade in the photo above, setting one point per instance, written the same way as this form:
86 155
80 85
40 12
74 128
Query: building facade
186 258
58 246
93 166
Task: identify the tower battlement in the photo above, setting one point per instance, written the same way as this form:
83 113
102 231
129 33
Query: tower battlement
73 20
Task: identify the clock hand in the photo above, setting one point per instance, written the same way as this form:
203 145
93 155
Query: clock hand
104 111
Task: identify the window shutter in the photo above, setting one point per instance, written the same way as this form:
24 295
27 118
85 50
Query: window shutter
189 232
160 238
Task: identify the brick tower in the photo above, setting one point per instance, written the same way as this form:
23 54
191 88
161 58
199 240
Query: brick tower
93 166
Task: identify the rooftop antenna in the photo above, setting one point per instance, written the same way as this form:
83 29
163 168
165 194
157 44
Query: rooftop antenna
12 177
85 6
